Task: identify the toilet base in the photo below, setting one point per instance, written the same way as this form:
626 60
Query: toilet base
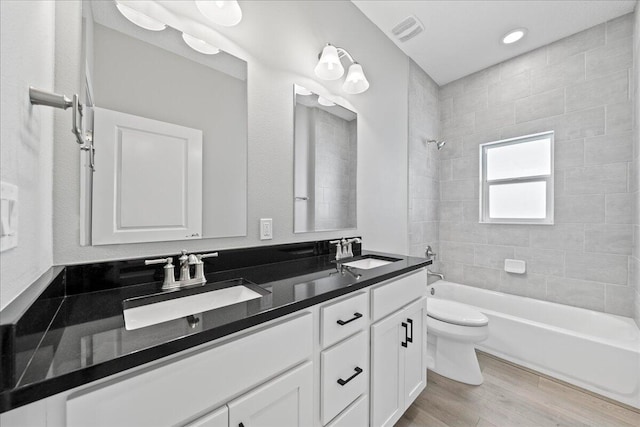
454 360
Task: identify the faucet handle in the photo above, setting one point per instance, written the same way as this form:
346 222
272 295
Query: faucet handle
200 266
169 278
339 253
168 261
429 252
212 254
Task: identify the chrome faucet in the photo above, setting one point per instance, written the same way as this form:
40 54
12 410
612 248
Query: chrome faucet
186 261
344 247
432 273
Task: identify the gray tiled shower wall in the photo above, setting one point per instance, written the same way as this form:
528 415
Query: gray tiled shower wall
424 181
580 87
634 178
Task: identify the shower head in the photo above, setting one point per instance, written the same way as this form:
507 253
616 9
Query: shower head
439 144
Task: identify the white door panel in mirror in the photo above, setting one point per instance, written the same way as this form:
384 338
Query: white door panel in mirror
151 194
325 164
148 180
156 75
517 160
520 200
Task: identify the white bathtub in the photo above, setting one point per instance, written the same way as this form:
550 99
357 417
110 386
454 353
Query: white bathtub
596 351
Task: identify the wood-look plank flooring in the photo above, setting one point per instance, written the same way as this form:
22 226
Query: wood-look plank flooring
511 397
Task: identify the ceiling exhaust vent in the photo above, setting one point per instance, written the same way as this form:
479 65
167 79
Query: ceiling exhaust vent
408 28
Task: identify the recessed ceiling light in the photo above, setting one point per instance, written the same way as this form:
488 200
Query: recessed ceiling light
514 35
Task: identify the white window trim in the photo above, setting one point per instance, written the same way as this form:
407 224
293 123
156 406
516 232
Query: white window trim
484 184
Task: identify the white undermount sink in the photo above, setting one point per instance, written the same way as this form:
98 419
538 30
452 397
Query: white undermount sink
157 312
367 263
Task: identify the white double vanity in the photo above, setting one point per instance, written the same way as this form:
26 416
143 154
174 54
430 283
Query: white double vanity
355 360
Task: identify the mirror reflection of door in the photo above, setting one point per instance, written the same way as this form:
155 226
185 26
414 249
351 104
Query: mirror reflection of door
325 164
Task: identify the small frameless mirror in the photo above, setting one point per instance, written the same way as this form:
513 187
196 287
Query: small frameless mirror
325 164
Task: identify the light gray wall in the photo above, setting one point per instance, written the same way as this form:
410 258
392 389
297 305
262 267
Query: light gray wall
634 183
276 60
26 134
579 87
424 187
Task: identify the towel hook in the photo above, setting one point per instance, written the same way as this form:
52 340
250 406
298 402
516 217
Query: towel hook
50 99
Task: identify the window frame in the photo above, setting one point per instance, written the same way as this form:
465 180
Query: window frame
485 184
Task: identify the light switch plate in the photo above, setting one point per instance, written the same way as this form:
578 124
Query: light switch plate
266 228
8 216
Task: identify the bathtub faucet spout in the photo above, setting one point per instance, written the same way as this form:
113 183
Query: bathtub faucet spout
431 273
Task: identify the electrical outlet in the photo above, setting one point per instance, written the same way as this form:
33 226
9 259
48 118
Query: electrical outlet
266 229
8 216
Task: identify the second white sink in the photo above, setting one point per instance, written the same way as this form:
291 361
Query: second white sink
367 263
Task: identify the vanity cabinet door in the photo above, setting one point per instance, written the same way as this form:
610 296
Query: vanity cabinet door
398 362
387 368
284 401
415 354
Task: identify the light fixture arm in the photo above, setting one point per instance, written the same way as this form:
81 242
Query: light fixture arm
342 53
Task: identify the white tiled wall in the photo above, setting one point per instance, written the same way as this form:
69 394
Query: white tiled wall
580 88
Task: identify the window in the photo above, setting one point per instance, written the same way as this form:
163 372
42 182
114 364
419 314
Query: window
516 180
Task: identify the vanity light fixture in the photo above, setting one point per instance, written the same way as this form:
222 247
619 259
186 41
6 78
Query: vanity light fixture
514 35
330 67
225 13
140 19
199 45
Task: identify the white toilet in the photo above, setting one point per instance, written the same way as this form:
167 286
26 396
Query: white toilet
452 330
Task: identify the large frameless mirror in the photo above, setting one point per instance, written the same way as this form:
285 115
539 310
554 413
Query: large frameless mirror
325 164
170 133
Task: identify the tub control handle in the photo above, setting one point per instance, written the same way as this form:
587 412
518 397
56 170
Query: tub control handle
358 372
410 338
406 331
356 316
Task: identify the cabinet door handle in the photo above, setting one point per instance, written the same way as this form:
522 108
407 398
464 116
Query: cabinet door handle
410 338
358 372
356 316
406 338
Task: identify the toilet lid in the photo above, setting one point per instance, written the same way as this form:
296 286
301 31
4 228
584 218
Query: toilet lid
454 312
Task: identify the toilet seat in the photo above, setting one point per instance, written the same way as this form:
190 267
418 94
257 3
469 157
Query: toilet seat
455 313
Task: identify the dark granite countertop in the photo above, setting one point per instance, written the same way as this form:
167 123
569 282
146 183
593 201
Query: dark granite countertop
70 338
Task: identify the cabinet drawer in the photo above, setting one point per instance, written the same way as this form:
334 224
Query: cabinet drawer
175 391
343 318
393 295
344 375
355 415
